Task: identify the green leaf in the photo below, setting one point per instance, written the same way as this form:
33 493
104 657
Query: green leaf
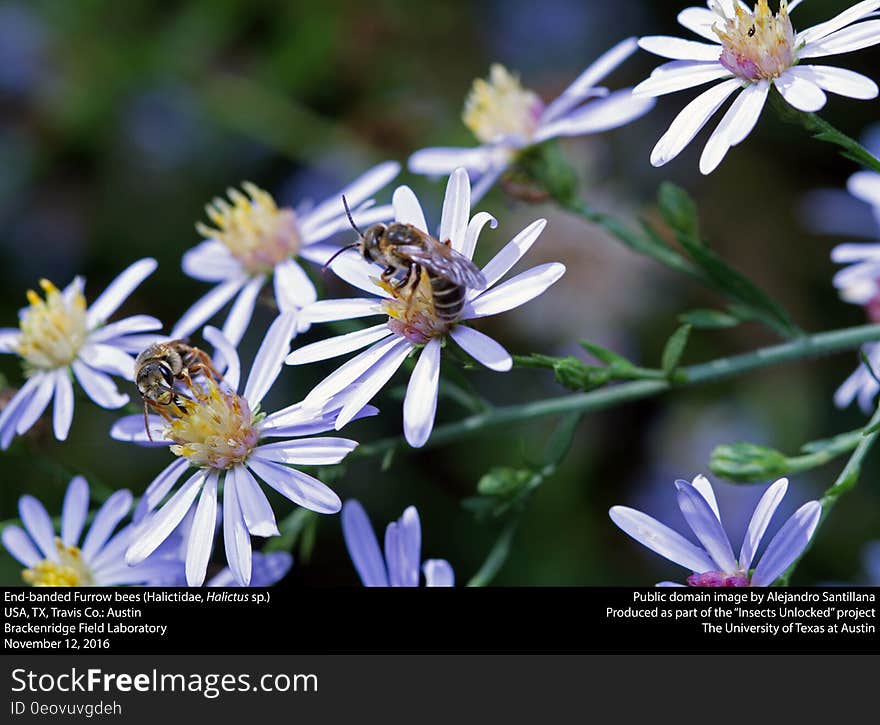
748 462
678 210
675 349
560 442
503 481
609 357
708 319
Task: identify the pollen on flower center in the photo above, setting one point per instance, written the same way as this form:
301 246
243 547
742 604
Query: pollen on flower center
253 228
500 109
411 312
52 330
69 571
216 430
756 45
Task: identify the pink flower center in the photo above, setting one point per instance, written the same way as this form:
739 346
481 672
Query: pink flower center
756 45
718 579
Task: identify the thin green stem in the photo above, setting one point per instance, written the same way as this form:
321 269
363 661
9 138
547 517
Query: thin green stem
808 346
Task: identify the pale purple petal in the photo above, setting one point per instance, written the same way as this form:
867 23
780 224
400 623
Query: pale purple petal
788 544
162 484
62 405
109 359
701 483
9 337
98 386
74 510
211 261
512 252
206 307
403 543
108 517
201 535
340 345
515 292
407 209
472 234
12 412
236 538
38 524
486 182
230 364
255 507
302 489
119 290
33 409
442 161
359 190
372 381
705 525
420 404
438 573
242 310
130 429
270 358
351 267
293 288
603 114
324 451
660 539
128 326
19 545
456 209
363 548
482 348
760 520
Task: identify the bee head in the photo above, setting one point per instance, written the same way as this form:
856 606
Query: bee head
370 242
155 383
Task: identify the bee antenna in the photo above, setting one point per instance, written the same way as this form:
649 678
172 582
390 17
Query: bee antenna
337 253
350 218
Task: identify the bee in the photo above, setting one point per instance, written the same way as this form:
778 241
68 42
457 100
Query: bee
161 365
405 250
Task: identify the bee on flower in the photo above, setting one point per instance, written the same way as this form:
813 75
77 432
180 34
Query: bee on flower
750 51
61 338
419 320
251 241
507 119
228 440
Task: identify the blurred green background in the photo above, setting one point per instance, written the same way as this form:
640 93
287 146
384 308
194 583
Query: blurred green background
119 121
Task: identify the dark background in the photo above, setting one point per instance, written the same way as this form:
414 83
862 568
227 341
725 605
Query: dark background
118 122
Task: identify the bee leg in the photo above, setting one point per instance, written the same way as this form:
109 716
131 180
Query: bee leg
413 278
147 423
205 365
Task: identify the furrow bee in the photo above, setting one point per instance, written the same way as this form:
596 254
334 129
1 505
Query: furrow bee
404 251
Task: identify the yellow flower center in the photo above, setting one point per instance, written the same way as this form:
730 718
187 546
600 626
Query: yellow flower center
52 330
411 312
69 571
253 228
756 45
216 430
500 109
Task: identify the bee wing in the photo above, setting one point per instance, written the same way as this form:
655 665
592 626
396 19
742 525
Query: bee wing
444 261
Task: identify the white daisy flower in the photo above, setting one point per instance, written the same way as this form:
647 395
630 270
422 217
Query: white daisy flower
226 439
253 241
413 325
60 338
748 52
507 118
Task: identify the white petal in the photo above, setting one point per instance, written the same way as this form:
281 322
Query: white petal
735 126
516 291
201 535
420 404
106 520
162 484
302 489
864 185
236 538
660 539
211 261
692 118
98 386
799 92
443 161
407 209
373 381
585 82
242 310
512 252
701 483
359 190
12 412
847 17
456 209
293 288
270 358
340 345
760 521
206 307
403 543
62 405
346 374
604 114
119 290
788 544
255 507
38 524
474 228
323 451
677 75
679 49
363 548
9 337
699 21
130 429
19 545
74 510
838 80
37 403
128 326
486 182
482 348
341 309
156 527
705 525
108 359
350 267
847 40
438 573
226 357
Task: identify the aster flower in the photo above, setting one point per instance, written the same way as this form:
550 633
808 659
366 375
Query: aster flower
59 338
403 542
713 562
227 440
61 559
507 118
253 241
413 325
748 52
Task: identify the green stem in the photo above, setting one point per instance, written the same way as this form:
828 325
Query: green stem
843 443
821 130
497 556
803 347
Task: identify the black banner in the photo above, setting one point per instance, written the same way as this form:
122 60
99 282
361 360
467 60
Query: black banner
101 621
